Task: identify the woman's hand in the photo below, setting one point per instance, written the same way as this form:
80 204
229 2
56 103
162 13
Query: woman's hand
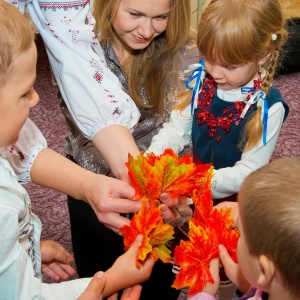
109 198
175 211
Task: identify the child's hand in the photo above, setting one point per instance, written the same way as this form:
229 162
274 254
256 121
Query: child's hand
124 272
95 287
132 293
214 267
56 261
232 270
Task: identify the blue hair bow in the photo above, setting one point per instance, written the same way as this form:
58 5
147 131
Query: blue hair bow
260 98
198 72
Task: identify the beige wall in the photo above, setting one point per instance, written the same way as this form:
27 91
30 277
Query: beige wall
291 9
196 6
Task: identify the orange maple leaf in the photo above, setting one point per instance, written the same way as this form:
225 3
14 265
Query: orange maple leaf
156 234
202 199
142 177
153 175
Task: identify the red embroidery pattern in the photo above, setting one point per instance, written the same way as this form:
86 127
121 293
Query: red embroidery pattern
98 76
230 114
117 111
66 5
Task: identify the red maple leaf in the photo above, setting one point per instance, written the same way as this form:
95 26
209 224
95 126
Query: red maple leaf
206 233
193 257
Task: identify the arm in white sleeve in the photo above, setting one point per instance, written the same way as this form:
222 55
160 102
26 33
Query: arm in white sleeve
22 155
175 134
93 94
227 181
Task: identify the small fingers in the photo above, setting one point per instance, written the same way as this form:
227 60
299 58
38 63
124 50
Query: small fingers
113 297
225 258
132 293
57 271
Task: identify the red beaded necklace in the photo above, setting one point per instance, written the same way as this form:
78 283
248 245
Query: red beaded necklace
230 114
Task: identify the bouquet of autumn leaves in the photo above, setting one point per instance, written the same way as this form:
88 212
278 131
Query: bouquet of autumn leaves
153 175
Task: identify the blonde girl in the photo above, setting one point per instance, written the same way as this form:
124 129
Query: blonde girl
237 112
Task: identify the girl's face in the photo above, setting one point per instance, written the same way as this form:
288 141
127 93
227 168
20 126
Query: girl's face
17 96
138 22
232 77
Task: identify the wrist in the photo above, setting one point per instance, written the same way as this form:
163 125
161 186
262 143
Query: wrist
89 182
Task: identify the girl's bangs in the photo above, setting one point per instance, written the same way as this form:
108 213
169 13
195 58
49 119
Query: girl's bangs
226 44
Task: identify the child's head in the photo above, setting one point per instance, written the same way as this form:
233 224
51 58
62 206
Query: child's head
269 201
16 36
234 32
239 40
17 72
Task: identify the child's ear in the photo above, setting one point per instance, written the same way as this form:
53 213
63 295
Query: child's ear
267 272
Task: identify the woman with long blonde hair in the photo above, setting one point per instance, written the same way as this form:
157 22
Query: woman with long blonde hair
148 45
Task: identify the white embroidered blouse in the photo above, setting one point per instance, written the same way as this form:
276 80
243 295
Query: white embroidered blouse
79 66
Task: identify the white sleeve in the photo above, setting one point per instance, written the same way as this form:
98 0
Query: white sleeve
93 94
175 134
22 155
68 290
227 181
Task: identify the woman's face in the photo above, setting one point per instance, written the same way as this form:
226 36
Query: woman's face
138 22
